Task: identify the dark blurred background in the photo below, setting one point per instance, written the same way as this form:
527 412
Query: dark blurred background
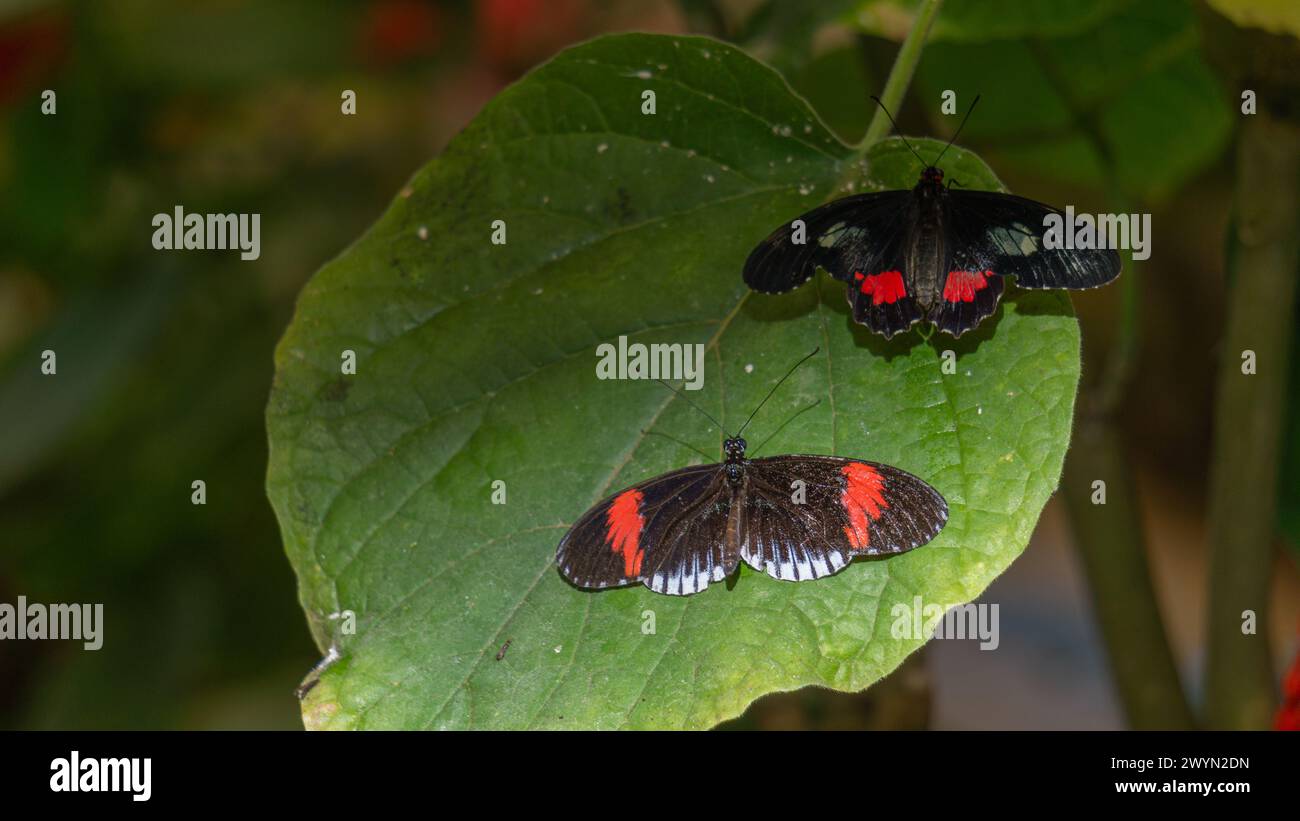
164 360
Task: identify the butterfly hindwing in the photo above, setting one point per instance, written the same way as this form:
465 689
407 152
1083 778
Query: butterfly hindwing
969 295
667 533
857 233
844 508
882 301
1003 233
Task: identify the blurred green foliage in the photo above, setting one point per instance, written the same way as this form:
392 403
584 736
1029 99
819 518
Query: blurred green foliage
1123 98
164 359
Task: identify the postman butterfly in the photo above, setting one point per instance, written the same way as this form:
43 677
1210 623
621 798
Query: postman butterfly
791 517
931 254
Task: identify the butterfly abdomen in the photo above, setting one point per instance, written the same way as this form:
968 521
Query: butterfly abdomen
925 247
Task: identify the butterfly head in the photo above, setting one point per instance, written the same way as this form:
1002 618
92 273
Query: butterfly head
734 448
932 175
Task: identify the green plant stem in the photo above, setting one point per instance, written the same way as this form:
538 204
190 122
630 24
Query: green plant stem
900 75
1248 423
1111 544
1110 540
1118 370
1109 537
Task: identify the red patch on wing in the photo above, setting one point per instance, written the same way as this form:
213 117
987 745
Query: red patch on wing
962 285
623 530
863 499
887 286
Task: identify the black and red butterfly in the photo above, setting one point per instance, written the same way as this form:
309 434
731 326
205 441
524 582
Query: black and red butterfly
792 517
930 254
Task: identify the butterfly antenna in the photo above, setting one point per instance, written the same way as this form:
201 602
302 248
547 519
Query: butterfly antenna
672 438
791 418
895 125
774 387
958 131
687 400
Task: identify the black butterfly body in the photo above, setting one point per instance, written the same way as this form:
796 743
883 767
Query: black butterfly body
930 254
792 517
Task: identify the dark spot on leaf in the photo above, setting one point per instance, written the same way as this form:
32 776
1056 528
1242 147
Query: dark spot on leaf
304 511
620 207
337 390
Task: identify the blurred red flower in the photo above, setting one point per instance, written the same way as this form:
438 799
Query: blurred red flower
30 48
1288 715
395 31
514 35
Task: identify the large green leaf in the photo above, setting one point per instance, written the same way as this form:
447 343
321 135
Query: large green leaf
476 363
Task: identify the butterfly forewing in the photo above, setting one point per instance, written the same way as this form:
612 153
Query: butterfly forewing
808 516
1004 233
862 232
665 532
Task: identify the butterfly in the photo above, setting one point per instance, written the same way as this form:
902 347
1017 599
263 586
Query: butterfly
791 517
930 254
